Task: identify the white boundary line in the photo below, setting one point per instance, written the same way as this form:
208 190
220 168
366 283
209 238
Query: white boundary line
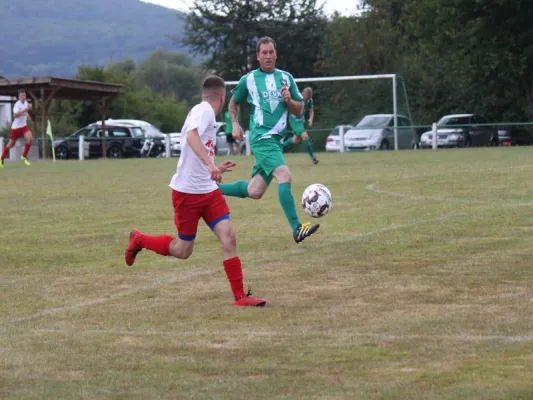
344 334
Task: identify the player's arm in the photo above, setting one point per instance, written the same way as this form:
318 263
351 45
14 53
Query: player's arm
311 115
196 145
237 95
17 113
293 97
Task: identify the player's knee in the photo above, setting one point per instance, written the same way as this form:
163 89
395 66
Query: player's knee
255 193
283 174
229 240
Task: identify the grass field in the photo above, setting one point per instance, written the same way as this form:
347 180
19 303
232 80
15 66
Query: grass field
418 284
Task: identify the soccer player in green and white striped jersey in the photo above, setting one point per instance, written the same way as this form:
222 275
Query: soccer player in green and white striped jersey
272 94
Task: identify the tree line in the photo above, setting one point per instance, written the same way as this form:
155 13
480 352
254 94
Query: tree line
453 56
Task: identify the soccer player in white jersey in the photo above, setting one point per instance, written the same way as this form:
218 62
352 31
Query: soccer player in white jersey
19 128
195 195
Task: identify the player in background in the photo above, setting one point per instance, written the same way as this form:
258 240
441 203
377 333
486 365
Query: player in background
272 93
19 128
228 128
298 125
195 195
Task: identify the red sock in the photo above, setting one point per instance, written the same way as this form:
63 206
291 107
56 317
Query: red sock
157 244
5 152
233 270
26 149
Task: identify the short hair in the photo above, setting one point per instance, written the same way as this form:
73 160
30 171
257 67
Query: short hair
308 89
22 91
265 40
213 82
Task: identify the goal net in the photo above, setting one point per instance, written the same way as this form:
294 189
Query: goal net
377 102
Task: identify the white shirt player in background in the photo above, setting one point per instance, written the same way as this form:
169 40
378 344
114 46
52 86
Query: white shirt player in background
19 128
195 195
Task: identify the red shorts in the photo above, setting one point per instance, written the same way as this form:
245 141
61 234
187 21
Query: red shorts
18 132
189 208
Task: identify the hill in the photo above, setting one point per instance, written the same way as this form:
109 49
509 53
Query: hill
54 37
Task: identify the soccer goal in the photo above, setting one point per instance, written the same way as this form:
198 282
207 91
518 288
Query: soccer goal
342 101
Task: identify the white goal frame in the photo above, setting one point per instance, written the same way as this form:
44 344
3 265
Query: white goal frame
393 77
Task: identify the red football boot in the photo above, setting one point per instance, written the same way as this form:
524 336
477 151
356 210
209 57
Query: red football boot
133 248
249 301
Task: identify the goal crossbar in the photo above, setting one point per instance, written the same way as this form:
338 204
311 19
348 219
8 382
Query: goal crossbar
393 77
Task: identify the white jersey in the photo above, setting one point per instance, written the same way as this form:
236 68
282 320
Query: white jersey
20 122
192 176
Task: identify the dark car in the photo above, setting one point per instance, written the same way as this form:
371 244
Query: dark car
514 136
462 130
121 141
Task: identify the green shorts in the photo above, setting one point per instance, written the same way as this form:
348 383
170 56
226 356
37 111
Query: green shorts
297 126
268 155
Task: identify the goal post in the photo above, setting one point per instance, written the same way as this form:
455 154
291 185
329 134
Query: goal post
394 82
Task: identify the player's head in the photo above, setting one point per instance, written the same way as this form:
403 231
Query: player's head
307 93
22 95
267 53
214 92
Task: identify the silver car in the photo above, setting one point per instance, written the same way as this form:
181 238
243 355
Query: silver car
376 132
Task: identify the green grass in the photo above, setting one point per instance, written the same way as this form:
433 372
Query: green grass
416 286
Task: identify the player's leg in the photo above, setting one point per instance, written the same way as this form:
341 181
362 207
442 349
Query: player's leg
216 216
29 137
255 188
7 147
309 147
187 212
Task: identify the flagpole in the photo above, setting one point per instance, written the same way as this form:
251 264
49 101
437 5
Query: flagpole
49 133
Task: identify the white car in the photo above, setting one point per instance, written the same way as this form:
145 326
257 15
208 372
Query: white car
333 141
175 144
376 132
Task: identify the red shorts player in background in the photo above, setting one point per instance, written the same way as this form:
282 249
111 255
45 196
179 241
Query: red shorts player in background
19 128
195 194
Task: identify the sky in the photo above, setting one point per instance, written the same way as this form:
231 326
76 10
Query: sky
345 7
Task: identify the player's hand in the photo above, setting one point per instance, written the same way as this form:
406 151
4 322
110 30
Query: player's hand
305 136
237 131
226 166
310 122
286 94
216 175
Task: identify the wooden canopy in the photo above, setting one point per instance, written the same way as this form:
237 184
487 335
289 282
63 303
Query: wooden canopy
43 90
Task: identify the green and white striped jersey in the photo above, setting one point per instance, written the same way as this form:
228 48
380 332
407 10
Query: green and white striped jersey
269 111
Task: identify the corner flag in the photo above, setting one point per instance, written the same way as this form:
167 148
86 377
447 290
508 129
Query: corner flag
49 133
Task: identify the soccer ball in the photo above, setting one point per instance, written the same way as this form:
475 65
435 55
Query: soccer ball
316 200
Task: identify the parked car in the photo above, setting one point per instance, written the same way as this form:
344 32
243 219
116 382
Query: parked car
121 141
514 136
333 141
376 132
222 147
175 144
150 131
461 130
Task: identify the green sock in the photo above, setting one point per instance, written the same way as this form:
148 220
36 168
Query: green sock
288 142
235 189
309 149
287 203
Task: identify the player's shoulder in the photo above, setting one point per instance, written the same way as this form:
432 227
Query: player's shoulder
284 73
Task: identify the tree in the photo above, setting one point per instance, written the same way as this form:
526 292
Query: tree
485 49
226 31
170 73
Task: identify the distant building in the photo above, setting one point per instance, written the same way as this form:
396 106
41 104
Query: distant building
5 111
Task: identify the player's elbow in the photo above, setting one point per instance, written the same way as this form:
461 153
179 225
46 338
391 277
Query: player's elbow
191 135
